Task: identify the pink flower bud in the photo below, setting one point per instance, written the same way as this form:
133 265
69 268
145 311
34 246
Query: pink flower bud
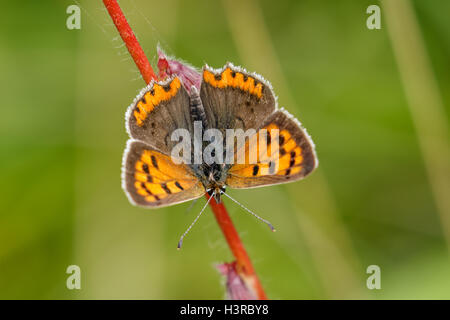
188 74
235 285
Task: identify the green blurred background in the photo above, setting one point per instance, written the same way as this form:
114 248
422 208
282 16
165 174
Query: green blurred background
63 98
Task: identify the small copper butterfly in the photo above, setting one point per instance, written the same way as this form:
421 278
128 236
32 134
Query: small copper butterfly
228 98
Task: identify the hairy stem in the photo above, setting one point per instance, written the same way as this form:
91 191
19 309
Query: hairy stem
130 40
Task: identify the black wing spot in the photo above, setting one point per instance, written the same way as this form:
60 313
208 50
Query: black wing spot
166 189
145 188
292 161
145 168
281 142
179 185
154 162
268 139
255 170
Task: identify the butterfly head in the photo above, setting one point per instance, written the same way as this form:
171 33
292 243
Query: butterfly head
216 193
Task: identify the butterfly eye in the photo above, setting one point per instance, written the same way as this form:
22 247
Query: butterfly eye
217 175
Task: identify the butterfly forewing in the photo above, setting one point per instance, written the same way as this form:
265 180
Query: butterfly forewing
234 98
157 111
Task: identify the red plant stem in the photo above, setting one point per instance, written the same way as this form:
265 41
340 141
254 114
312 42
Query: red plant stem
130 40
243 263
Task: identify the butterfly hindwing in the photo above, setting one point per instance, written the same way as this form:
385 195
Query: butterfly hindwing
233 98
286 157
150 178
157 111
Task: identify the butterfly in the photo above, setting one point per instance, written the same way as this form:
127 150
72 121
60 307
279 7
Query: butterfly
228 98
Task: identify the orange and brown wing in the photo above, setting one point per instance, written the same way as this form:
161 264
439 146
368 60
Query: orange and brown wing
151 179
157 111
285 154
234 98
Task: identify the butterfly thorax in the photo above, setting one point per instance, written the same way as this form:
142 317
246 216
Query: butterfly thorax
212 176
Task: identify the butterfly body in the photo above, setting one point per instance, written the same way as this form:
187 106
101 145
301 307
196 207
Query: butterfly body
228 99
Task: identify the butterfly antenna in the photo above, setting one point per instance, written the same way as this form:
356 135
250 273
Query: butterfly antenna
180 243
251 212
191 205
